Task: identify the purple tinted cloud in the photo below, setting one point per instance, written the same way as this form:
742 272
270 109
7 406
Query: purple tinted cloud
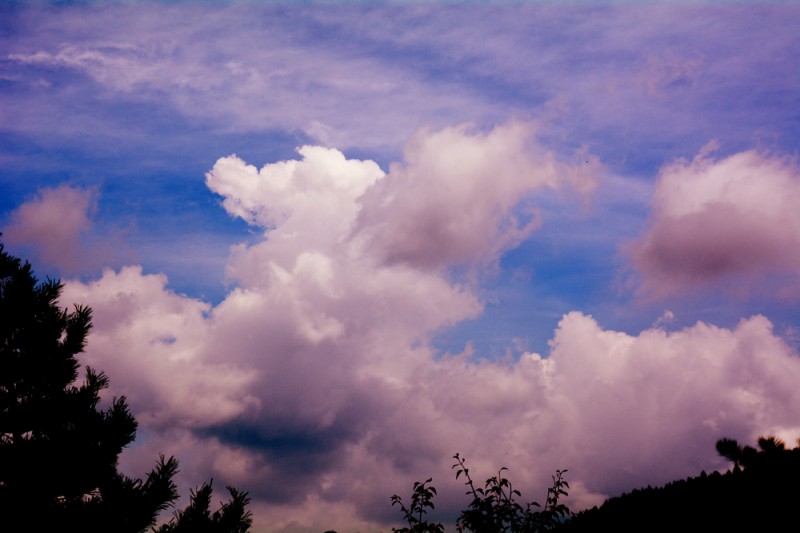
315 368
354 77
55 225
716 219
315 371
456 198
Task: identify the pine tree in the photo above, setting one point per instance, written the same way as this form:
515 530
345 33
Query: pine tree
58 449
231 517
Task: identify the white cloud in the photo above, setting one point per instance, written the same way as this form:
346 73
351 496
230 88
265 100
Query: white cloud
713 220
648 408
152 344
315 197
315 373
458 197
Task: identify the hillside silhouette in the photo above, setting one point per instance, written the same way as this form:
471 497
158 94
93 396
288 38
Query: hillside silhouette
761 492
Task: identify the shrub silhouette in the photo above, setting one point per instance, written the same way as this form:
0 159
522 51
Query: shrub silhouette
421 501
494 508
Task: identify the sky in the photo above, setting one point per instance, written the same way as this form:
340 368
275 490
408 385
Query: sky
329 245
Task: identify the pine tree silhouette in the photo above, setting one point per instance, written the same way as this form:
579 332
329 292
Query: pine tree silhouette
58 449
232 517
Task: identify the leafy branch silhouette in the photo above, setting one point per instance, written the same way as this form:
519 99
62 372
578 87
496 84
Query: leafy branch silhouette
421 500
494 508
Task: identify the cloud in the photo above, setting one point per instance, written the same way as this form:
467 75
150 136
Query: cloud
288 194
151 342
648 408
333 93
345 431
53 223
368 77
458 197
313 385
721 219
58 229
668 71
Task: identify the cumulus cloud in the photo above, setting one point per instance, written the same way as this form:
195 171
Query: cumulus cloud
151 342
648 408
285 195
457 197
53 224
716 219
314 387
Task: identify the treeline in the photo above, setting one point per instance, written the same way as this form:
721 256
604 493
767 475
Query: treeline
760 493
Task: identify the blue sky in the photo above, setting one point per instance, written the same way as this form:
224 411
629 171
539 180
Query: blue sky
498 191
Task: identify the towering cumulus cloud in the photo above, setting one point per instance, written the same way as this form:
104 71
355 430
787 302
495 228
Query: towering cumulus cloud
717 219
313 386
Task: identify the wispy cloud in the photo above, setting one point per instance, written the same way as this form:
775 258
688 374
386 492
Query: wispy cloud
369 77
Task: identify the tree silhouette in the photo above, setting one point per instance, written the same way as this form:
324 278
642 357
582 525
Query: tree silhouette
232 517
58 450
